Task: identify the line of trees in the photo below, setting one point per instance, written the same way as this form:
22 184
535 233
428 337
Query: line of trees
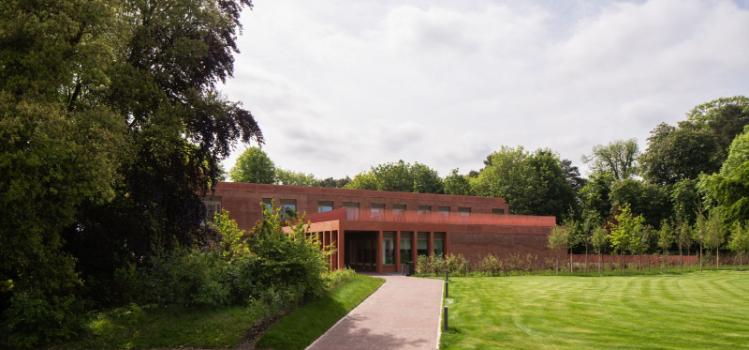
693 172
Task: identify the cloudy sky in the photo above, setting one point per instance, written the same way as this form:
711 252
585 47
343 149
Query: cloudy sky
339 85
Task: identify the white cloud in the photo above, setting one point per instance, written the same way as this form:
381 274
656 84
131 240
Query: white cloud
343 85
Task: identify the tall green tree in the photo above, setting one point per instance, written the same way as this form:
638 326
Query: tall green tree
254 166
715 233
531 183
686 200
399 176
627 234
599 241
59 148
112 127
289 177
739 241
619 158
558 240
729 188
455 183
684 238
725 117
676 154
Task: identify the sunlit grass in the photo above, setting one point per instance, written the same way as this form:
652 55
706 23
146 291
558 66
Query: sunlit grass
699 310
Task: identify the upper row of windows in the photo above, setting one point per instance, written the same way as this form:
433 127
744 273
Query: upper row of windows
289 205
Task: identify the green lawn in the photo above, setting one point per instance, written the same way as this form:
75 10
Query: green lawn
136 328
305 324
699 310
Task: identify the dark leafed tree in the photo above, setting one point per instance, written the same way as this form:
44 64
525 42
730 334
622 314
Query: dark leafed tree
572 174
675 154
618 158
166 59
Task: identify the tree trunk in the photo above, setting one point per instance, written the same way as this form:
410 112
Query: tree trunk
600 262
717 258
569 253
700 256
586 258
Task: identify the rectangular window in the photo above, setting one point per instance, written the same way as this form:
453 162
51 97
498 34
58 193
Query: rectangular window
211 208
388 248
376 210
425 209
268 204
352 210
288 207
498 211
464 211
422 241
406 247
399 208
439 244
444 210
324 206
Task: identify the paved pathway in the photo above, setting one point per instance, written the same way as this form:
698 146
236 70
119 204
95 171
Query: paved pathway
403 314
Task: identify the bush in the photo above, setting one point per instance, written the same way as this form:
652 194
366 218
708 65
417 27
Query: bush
455 264
490 265
335 278
267 266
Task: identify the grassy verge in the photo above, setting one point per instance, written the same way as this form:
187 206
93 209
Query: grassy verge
596 273
137 328
302 326
699 310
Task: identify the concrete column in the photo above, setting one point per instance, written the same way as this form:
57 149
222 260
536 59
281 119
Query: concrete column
397 251
379 251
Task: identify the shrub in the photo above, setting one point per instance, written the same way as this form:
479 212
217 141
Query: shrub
490 265
455 264
335 278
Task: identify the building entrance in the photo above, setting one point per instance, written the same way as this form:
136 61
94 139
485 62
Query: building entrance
361 251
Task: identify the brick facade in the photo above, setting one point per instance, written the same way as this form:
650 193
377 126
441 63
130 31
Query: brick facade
467 225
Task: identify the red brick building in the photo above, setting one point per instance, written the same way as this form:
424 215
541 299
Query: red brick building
381 231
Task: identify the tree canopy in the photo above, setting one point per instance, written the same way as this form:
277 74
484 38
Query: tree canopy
619 158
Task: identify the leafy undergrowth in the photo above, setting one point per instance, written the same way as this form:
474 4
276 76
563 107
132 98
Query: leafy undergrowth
134 327
301 327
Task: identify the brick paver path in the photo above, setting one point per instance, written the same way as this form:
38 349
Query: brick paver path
403 314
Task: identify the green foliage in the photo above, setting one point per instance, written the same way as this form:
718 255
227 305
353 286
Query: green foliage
559 238
454 264
739 241
254 166
684 236
399 176
729 188
530 183
455 183
599 239
649 200
686 200
715 230
676 154
619 158
666 236
596 194
363 181
629 232
232 242
725 117
288 177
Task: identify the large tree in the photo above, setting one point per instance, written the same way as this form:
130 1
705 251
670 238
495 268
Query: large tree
531 183
111 127
455 183
729 188
254 166
675 154
619 158
400 177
